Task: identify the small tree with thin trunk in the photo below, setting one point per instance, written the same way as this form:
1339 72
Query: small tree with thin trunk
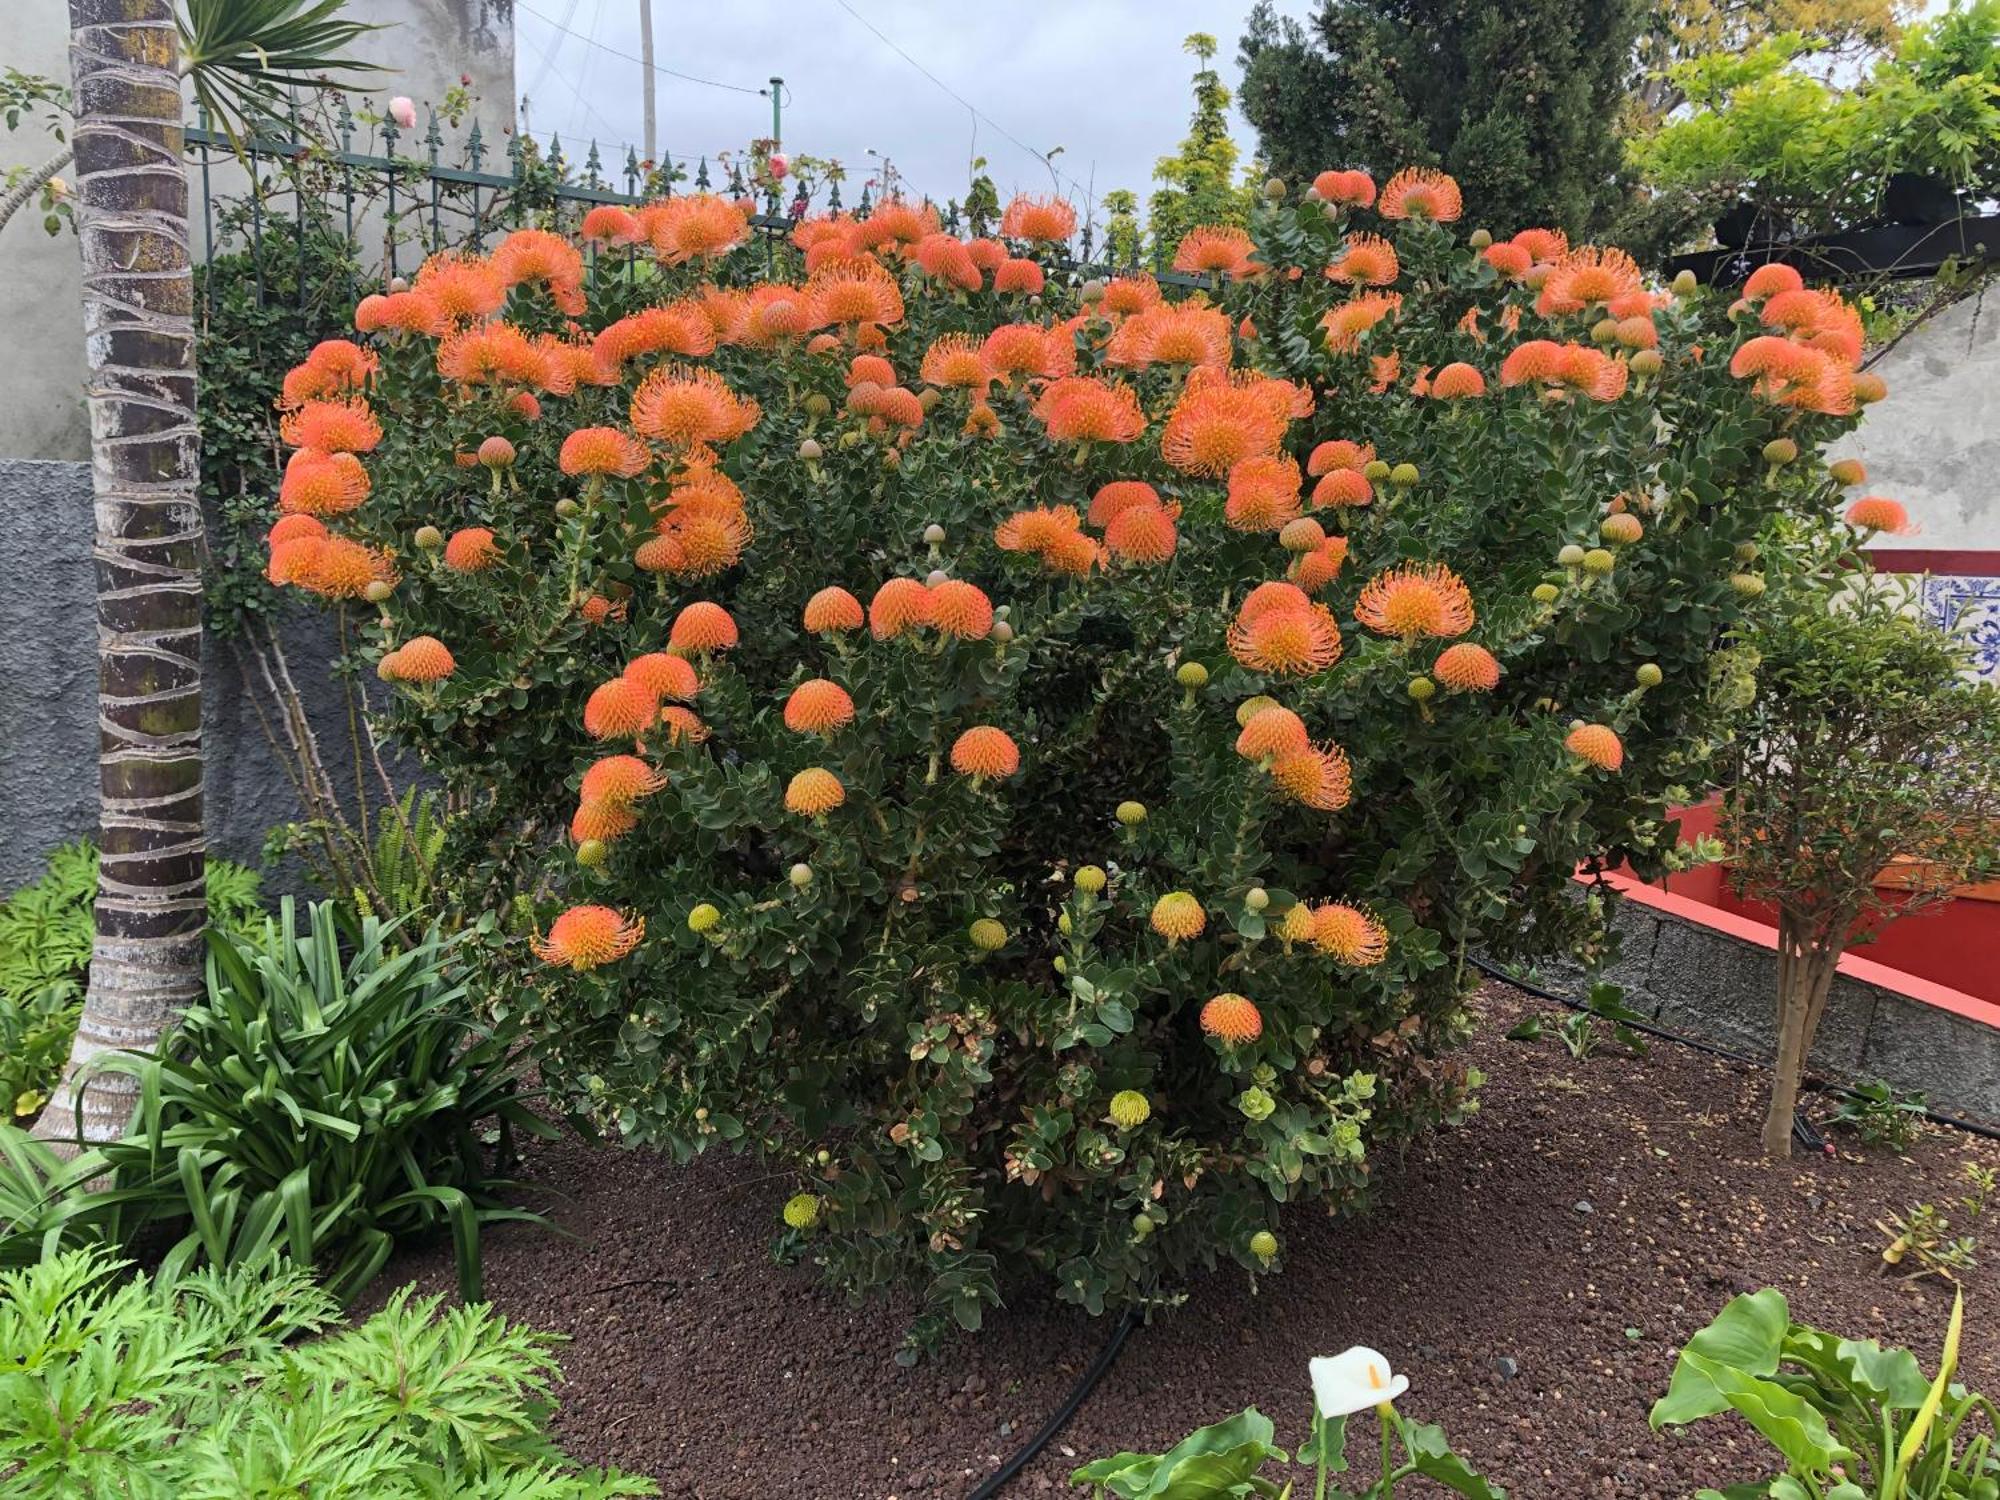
1867 751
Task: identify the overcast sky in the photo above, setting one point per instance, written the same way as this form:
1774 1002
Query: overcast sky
1104 79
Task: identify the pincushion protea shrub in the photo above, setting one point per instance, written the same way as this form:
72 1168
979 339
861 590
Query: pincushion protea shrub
929 708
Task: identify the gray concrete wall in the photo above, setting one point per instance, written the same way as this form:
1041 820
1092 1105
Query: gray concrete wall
430 45
48 694
1723 989
1934 443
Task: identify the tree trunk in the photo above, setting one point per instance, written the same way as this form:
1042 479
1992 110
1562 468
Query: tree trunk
138 297
1808 957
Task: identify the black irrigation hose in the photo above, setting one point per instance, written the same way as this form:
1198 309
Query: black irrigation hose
997 1481
1809 1137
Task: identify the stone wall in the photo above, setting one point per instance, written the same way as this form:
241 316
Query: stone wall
48 707
429 46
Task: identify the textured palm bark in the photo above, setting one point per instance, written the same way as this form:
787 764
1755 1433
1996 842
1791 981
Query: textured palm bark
138 297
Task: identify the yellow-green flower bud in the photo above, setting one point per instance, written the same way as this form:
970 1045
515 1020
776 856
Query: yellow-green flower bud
566 507
1274 189
1141 1226
1264 1245
818 405
704 918
1648 362
1598 562
1090 880
1249 708
801 876
590 853
1064 925
1375 471
1649 675
1192 674
1780 451
1571 556
378 590
1480 239
1130 1109
934 535
987 935
1749 585
1131 814
1546 593
810 449
1421 689
1403 475
429 538
1257 898
802 1211
1604 331
1685 284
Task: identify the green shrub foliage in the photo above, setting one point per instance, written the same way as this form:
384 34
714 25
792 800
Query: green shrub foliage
1480 518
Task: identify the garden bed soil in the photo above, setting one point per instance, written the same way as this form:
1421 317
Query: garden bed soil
1533 1272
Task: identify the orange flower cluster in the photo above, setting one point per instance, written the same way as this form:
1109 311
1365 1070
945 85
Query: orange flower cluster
1421 193
588 937
1278 629
689 408
1214 251
1416 600
702 529
1346 323
1354 189
1083 409
1572 367
1048 220
1366 260
334 368
1222 419
693 226
950 606
1186 333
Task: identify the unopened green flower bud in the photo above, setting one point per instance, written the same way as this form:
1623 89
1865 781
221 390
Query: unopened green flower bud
1264 1245
1131 814
1274 189
429 538
1130 1109
1141 1226
704 918
802 1211
1749 585
1598 562
1249 708
801 876
987 935
818 405
1746 551
1192 674
1421 689
591 852
811 450
566 507
1604 331
1092 290
1648 362
1571 556
378 590
1064 925
1780 451
1090 880
1545 593
1685 284
1375 470
1002 632
934 535
1403 475
1480 239
1649 675
1257 898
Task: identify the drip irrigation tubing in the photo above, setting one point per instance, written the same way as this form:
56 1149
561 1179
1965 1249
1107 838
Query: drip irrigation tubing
1809 1136
1059 1419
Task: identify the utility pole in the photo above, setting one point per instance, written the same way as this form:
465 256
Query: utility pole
646 56
777 129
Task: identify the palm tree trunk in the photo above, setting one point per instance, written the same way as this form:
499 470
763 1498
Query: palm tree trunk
138 296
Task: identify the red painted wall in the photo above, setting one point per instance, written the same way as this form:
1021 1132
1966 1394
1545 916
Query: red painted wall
1956 944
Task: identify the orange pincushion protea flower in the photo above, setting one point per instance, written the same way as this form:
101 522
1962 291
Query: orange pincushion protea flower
683 328
1338 487
900 604
1036 529
1366 260
949 259
957 361
602 821
423 658
460 286
1028 350
1125 295
898 222
619 709
292 526
334 367
831 610
1346 323
1286 642
1467 668
702 626
1232 1020
342 426
682 724
1769 280
1270 598
1354 188
1314 570
818 706
338 568
294 559
1080 409
1796 375
538 255
664 675
1213 428
1416 599
1510 259
1049 220
985 253
1420 193
595 609
1272 732
690 408
896 406
870 369
1349 935
1142 533
1318 776
317 483
1457 380
985 754
1597 744
1878 513
405 312
1263 493
1186 334
852 291
1214 250
1178 917
961 609
1587 277
1340 453
609 224
773 314
1118 496
620 779
1073 555
703 538
814 793
471 549
697 226
588 937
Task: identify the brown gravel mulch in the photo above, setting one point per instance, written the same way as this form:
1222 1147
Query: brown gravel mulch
1533 1272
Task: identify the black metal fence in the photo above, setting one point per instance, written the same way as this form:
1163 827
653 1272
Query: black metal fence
412 205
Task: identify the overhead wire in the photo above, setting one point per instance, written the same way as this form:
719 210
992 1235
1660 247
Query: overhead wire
714 83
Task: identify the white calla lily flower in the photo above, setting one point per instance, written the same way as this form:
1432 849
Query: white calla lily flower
1344 1384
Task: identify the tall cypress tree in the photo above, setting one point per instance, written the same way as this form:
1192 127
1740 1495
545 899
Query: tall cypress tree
1520 100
